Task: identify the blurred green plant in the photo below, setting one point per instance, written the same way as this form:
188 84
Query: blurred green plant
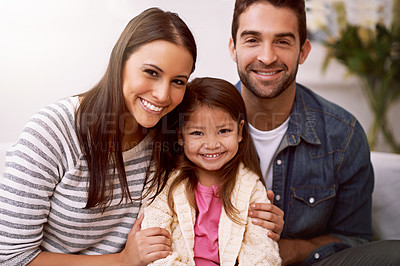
372 54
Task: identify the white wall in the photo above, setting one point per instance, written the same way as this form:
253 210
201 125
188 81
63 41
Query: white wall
53 49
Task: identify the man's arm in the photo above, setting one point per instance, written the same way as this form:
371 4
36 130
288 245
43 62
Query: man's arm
350 220
269 216
293 251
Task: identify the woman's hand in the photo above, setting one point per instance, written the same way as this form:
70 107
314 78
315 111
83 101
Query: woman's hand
144 247
269 216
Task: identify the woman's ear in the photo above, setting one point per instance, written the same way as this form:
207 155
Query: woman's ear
240 130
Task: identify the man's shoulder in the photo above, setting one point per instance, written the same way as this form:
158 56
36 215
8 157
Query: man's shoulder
313 102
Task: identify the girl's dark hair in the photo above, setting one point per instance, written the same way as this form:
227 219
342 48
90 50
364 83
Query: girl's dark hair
220 94
98 118
297 6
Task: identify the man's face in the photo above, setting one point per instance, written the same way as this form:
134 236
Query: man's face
267 49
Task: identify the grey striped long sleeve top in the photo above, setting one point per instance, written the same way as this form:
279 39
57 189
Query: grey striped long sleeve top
43 192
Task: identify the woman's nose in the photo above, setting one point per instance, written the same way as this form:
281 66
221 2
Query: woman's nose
161 92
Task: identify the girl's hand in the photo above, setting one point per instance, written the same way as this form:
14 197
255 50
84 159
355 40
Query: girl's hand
268 216
144 247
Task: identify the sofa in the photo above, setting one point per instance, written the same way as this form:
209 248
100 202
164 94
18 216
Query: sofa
386 196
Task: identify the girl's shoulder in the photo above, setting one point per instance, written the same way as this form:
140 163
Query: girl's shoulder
246 175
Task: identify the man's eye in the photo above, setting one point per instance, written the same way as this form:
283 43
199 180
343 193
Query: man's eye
283 42
251 40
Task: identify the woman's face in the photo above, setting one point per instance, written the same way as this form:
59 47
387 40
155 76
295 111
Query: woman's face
154 80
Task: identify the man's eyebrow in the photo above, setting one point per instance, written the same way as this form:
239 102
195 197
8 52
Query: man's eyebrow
279 35
249 32
286 34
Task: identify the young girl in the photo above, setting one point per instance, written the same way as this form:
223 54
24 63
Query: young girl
205 202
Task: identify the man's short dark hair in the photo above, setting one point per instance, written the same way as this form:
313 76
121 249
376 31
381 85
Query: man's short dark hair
298 7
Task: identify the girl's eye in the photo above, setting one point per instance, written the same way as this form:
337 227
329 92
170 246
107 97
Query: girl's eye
225 130
151 72
196 133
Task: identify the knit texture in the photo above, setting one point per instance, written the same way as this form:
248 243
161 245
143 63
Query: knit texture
43 192
247 243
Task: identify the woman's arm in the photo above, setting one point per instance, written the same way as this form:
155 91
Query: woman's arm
142 248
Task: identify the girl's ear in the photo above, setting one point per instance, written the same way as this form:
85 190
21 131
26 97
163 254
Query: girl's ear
240 130
180 138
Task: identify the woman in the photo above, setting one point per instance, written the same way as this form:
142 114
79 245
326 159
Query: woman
73 182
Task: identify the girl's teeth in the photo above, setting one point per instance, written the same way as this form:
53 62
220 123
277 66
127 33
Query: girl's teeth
151 107
212 155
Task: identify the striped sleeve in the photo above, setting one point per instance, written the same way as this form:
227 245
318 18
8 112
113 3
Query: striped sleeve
34 166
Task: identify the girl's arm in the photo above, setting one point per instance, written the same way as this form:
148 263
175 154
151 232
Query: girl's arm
257 248
158 214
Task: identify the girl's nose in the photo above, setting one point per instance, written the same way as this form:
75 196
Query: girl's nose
212 142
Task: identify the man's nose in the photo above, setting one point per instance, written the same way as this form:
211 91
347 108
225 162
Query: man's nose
267 54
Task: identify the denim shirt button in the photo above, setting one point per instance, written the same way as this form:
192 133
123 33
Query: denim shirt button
278 197
311 201
279 162
316 256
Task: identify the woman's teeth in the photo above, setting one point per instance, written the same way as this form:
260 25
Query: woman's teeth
150 106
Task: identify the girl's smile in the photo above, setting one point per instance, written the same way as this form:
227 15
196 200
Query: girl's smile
210 138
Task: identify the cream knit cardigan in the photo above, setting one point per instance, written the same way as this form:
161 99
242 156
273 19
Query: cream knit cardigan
248 243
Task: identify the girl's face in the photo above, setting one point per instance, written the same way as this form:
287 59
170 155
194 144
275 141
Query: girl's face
154 80
210 138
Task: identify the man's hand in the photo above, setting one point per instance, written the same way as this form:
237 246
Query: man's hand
269 216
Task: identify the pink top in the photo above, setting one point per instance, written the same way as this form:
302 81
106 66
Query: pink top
206 227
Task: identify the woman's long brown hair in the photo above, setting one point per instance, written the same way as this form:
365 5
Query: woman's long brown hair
220 94
99 126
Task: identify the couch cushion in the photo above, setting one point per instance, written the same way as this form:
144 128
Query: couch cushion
386 195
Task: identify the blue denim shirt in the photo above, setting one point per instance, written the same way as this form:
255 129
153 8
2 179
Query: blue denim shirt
322 175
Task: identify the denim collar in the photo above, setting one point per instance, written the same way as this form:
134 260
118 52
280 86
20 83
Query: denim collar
302 123
303 120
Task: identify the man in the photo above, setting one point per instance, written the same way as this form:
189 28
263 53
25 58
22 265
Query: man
313 154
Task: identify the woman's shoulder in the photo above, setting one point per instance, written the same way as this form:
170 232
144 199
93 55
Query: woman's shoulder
59 114
52 128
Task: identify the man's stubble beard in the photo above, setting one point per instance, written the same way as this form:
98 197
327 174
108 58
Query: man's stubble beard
280 87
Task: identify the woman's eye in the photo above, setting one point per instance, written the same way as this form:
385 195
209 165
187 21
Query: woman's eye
179 82
151 72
